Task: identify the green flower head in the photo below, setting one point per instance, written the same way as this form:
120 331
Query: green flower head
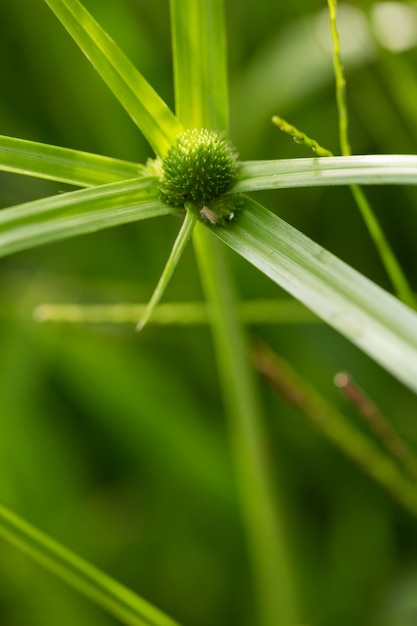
198 168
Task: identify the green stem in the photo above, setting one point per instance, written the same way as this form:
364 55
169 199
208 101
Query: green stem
388 258
266 535
392 267
202 102
336 427
381 428
280 311
340 81
122 603
300 137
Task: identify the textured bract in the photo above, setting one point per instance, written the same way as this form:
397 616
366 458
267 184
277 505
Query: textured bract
198 168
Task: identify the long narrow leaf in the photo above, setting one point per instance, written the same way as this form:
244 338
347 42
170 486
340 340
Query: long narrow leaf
368 316
129 608
177 251
82 169
371 170
200 63
382 169
146 108
279 311
78 212
337 428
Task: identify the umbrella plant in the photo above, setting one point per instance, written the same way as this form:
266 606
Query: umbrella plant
196 174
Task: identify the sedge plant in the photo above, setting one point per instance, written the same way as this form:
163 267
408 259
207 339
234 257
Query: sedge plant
196 174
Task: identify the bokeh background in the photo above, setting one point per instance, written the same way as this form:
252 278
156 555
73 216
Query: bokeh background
116 444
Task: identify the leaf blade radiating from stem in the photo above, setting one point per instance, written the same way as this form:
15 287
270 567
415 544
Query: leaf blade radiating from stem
381 169
73 167
200 63
365 314
111 595
79 212
144 105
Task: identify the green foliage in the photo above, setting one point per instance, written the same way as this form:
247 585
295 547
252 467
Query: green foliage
115 444
143 104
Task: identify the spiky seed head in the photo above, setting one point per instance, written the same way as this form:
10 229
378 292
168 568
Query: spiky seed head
198 168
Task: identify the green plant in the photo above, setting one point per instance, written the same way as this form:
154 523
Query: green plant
118 192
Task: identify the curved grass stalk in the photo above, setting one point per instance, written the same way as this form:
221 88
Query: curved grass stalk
340 81
397 448
282 311
112 596
388 258
300 137
335 427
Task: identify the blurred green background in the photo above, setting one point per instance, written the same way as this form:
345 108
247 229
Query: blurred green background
116 444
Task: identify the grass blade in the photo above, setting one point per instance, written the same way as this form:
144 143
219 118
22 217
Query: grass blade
388 258
280 311
200 68
340 82
73 167
381 169
368 316
79 212
146 108
125 605
335 427
392 266
176 253
300 137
